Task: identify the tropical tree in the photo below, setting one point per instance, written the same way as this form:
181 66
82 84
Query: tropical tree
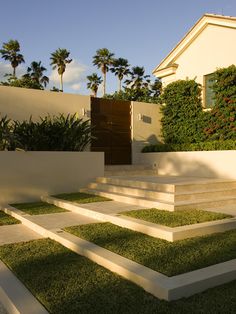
35 72
103 60
120 67
93 83
59 60
156 87
10 52
138 79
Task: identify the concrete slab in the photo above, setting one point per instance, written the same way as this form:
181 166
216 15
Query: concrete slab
17 233
61 220
15 297
161 286
111 207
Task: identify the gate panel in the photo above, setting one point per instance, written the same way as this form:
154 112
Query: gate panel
111 121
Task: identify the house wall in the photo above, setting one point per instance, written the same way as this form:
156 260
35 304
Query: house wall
26 176
21 103
213 164
147 130
215 47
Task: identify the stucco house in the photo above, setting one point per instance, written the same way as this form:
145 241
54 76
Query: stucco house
210 44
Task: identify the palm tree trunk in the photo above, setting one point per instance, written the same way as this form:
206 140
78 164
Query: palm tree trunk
14 71
119 89
104 83
61 83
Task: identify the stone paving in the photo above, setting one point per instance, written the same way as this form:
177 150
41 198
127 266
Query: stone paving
16 233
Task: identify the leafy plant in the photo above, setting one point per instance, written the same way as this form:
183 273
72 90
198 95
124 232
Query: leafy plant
93 83
222 120
183 119
5 132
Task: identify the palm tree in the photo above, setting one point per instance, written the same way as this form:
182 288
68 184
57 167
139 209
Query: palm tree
93 82
156 87
10 52
59 60
137 78
120 68
35 73
103 59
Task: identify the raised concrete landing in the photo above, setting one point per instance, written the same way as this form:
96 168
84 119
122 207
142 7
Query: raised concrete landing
167 192
17 233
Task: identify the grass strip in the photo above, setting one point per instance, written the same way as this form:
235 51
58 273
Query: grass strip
169 258
65 282
38 208
175 219
7 219
82 198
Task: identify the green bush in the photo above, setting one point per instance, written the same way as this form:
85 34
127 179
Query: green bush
212 145
222 119
57 133
142 95
183 119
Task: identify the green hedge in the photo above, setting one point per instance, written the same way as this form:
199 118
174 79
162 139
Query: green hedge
214 145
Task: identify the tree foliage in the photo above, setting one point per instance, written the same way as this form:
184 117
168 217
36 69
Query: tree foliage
183 118
222 120
93 83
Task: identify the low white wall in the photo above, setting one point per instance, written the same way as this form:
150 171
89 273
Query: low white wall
214 164
146 127
26 176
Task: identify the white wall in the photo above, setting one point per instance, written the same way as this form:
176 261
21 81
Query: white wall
25 176
21 103
147 130
213 164
215 47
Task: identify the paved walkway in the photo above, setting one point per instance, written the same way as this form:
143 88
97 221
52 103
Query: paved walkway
110 207
16 233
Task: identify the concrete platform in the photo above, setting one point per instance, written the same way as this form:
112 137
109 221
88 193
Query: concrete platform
166 192
161 286
17 233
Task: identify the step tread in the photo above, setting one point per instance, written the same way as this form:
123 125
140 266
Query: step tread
128 196
222 198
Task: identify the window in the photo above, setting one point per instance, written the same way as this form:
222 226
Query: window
209 93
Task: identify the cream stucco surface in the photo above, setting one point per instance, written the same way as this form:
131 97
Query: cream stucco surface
146 126
21 103
26 176
213 164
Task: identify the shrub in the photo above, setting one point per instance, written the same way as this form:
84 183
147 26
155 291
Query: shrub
142 95
212 145
222 121
57 133
183 119
5 132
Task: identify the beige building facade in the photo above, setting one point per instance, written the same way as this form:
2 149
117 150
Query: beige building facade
209 45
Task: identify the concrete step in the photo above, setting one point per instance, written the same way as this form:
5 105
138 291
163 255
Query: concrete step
129 199
137 192
205 186
205 204
140 184
147 172
217 194
127 167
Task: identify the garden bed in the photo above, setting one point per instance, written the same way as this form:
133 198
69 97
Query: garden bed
38 208
82 198
175 219
77 285
7 220
165 257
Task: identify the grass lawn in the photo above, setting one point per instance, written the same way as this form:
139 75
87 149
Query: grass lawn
175 219
82 198
65 283
169 258
39 208
7 219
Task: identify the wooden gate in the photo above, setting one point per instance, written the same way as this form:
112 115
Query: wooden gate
111 122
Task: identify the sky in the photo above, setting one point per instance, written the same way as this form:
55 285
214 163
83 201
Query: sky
141 31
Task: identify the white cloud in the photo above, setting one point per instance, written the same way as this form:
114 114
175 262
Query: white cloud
76 86
73 76
6 68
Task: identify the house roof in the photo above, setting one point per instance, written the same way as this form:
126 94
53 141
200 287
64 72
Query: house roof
163 69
